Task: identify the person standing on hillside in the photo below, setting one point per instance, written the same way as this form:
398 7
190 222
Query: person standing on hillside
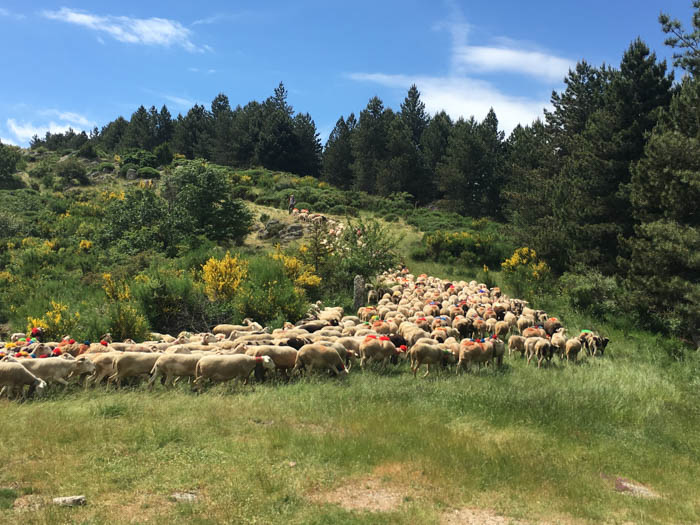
292 202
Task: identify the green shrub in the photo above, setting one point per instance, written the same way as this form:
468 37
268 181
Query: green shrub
9 158
141 158
43 169
241 191
71 171
590 291
126 167
126 321
164 154
268 295
87 151
171 300
106 166
148 173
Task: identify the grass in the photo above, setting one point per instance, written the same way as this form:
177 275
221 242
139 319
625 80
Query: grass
522 442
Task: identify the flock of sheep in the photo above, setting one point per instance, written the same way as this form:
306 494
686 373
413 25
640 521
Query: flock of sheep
425 320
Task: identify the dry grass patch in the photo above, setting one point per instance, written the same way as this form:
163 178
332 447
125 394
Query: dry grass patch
385 490
476 517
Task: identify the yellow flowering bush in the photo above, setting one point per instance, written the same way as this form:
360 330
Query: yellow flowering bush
524 271
85 245
223 277
55 323
298 271
115 291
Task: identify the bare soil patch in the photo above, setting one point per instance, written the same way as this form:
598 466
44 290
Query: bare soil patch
476 517
384 491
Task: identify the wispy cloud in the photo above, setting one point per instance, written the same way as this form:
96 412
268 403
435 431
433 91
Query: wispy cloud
11 14
7 142
179 101
215 19
69 117
147 31
543 66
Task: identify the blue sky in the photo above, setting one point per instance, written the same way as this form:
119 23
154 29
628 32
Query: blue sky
82 64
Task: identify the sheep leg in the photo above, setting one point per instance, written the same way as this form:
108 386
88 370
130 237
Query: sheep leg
539 361
62 381
152 380
428 371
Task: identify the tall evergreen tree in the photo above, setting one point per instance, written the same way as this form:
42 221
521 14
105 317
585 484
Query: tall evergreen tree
337 155
604 153
139 134
663 266
369 144
688 42
413 114
164 126
222 130
308 151
434 146
192 136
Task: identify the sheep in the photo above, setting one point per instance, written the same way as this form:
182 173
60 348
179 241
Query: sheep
429 355
573 347
524 322
473 352
499 350
14 376
501 329
377 349
551 325
533 331
559 341
104 365
319 356
59 369
540 347
226 329
284 357
133 364
173 365
516 343
226 367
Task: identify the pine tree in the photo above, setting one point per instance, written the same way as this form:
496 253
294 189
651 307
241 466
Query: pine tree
308 151
413 114
139 132
192 136
222 130
663 265
164 126
337 155
369 144
689 58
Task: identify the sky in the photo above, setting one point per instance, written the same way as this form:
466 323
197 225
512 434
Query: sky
82 64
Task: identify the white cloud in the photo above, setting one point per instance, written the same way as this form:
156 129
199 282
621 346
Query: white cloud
463 97
60 123
179 101
25 131
502 59
69 117
7 142
147 31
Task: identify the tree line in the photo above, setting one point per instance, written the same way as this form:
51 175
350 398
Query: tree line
607 181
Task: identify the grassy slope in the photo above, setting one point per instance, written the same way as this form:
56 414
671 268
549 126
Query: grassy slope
521 442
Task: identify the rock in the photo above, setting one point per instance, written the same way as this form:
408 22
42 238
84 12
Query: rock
184 497
358 292
131 174
633 488
292 464
70 501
